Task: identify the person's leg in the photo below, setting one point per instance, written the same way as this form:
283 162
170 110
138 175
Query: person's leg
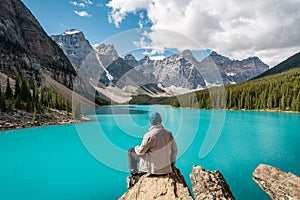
133 160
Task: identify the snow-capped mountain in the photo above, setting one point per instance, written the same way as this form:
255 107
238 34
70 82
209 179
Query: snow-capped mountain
181 70
74 45
235 71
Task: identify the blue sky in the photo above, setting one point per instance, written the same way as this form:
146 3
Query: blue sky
56 16
238 29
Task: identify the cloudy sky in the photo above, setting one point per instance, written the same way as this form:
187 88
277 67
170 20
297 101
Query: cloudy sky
268 29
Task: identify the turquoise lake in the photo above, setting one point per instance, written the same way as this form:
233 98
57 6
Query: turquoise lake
88 161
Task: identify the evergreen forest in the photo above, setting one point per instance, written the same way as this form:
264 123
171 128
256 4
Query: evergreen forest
34 99
277 92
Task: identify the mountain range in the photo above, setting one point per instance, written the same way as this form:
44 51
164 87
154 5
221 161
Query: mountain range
278 91
178 73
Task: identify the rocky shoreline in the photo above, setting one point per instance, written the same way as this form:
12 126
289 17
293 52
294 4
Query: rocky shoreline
212 185
17 119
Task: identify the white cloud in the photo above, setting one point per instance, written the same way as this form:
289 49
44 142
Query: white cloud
88 2
268 28
77 4
82 13
120 8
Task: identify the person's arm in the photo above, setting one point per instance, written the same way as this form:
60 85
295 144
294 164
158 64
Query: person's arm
147 143
174 151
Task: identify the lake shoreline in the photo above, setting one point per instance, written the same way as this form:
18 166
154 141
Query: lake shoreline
18 119
270 110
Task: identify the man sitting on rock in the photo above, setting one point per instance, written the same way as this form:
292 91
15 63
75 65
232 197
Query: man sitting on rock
156 155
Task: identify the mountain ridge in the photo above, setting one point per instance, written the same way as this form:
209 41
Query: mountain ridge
26 48
232 71
289 63
278 92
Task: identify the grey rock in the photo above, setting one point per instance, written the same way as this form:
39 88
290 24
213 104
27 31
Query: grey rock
107 54
27 49
167 187
277 184
179 72
235 71
130 60
74 45
209 185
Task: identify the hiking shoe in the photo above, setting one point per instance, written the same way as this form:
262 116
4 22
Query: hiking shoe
129 181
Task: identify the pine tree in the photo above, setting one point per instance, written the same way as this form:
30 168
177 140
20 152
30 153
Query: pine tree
8 92
17 86
68 108
76 111
34 115
25 93
298 102
18 103
2 103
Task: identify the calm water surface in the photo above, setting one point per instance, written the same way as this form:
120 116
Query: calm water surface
88 161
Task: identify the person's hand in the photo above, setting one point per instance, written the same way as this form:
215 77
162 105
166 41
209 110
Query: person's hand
131 150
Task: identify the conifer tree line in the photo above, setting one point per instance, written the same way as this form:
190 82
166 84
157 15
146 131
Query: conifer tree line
34 99
279 92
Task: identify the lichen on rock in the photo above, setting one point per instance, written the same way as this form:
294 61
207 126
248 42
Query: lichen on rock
278 184
209 185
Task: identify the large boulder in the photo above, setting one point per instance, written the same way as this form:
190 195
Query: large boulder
277 184
166 187
209 185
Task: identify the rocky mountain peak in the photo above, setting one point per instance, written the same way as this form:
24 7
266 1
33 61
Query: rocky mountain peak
29 48
218 57
104 49
188 55
146 61
130 60
145 58
129 57
74 44
214 53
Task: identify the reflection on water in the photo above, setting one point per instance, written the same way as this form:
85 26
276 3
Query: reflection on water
119 110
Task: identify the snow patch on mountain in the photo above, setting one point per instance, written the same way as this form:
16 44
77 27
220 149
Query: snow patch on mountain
108 75
71 32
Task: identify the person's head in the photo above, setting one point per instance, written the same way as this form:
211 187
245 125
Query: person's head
155 118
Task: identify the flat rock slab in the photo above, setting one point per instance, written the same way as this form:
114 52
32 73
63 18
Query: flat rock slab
278 184
159 188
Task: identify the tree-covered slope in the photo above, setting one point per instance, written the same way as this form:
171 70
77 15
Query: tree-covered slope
276 92
290 63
